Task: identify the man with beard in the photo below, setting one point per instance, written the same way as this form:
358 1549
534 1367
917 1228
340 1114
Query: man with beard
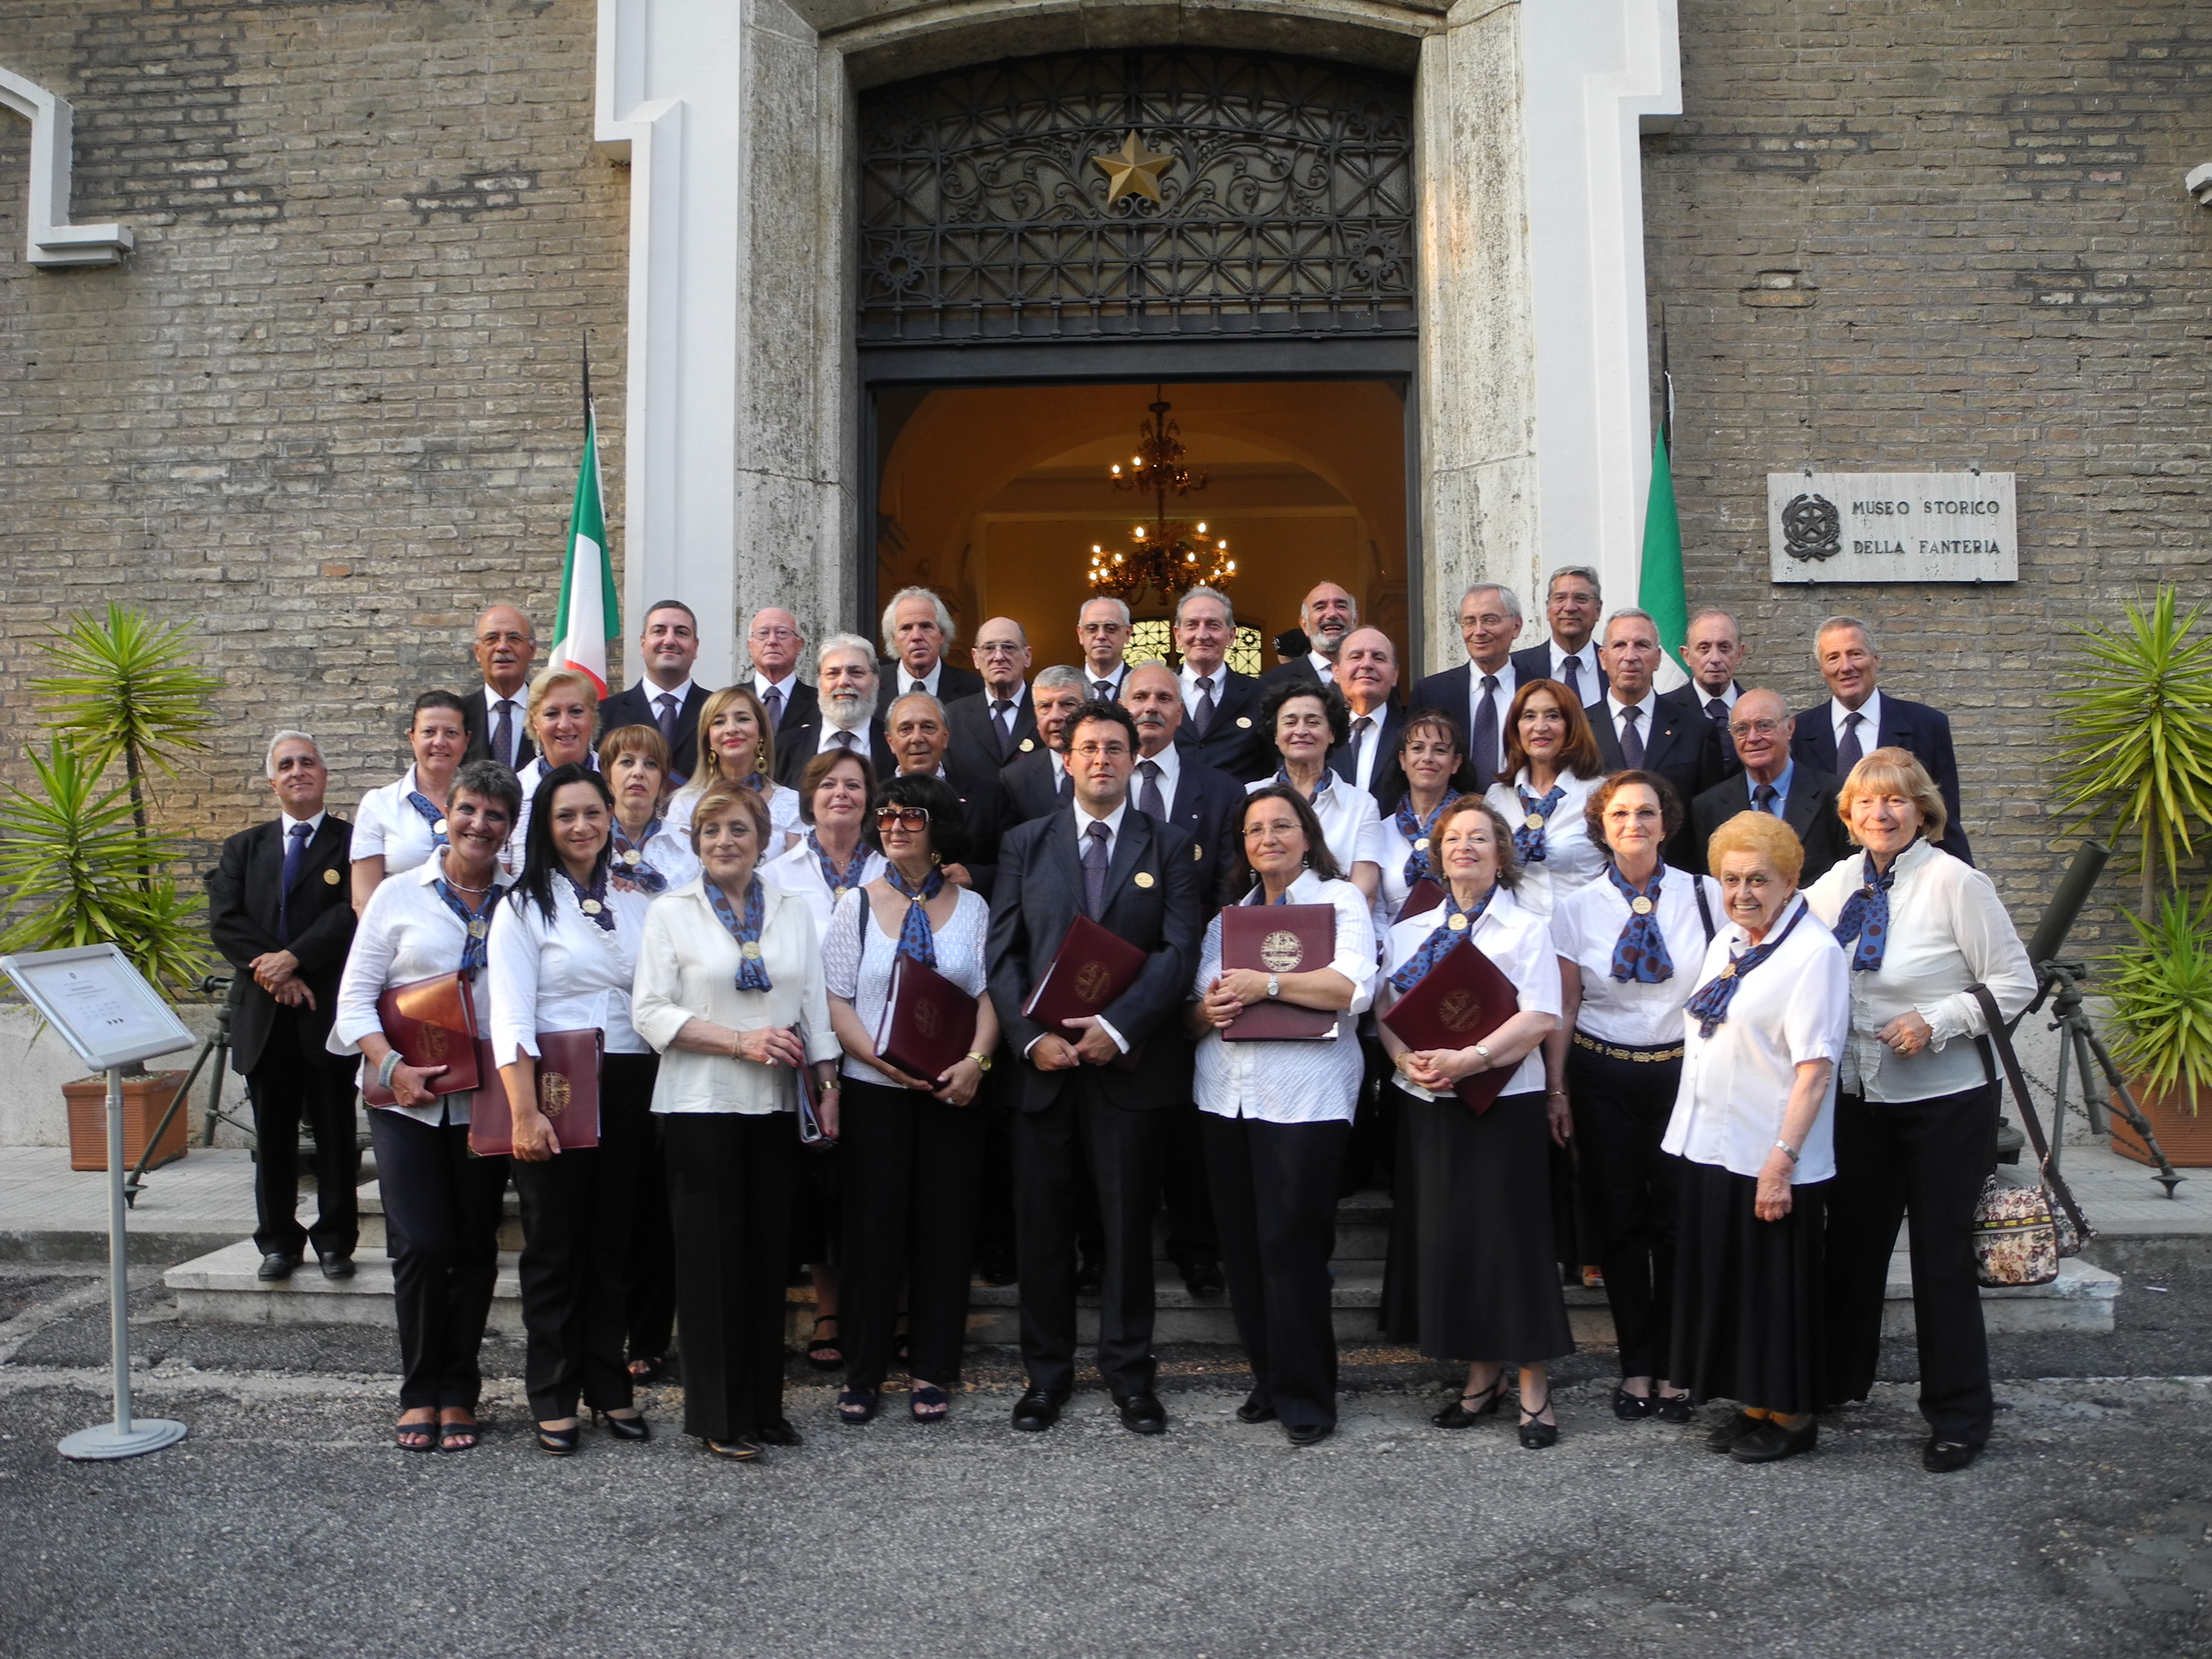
845 677
1328 614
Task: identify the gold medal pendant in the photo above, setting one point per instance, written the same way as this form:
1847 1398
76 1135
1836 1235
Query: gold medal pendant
1728 972
438 827
1421 845
1534 821
1457 924
590 906
632 857
1641 905
751 948
476 929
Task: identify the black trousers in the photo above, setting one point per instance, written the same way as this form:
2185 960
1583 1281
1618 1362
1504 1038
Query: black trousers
1630 1195
1120 1149
651 1296
1275 1191
1926 1159
730 1175
441 1211
292 1084
1193 1233
913 1171
576 1220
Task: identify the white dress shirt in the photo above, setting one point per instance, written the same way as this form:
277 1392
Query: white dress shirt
1508 681
902 680
687 969
1350 824
827 740
1171 765
1191 694
1084 820
1946 931
1091 677
1367 745
566 975
653 692
1871 729
1586 925
1586 668
386 824
1571 859
798 873
517 843
285 821
1793 1007
857 957
1293 1081
1394 849
1519 945
407 932
788 685
1727 697
1615 708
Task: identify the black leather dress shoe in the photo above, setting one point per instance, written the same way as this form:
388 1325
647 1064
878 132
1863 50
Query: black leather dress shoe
333 1265
1203 1279
1948 1456
1770 1442
778 1433
1142 1413
1037 1411
1255 1410
998 1270
1309 1434
1724 1437
278 1264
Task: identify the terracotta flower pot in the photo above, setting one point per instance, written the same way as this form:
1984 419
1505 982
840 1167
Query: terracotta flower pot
2185 1137
145 1100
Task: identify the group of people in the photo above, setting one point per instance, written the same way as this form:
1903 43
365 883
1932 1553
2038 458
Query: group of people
1740 943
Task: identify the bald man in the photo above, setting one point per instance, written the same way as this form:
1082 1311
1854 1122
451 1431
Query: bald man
997 726
1772 780
504 644
1328 614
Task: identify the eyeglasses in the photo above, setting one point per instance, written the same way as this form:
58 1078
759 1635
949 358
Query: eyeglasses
1742 729
774 634
902 817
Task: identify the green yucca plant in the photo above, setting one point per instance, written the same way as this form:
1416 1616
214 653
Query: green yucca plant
2162 996
2138 720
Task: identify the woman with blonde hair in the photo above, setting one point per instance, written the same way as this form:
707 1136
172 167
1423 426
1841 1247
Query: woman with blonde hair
562 713
736 746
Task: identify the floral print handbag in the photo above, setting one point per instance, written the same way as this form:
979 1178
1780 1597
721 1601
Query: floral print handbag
2021 1232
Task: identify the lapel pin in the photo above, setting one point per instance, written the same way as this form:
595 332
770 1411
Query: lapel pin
330 877
1028 743
1245 721
1144 879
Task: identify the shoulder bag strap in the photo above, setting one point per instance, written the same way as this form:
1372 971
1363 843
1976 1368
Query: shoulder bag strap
1705 909
2001 1041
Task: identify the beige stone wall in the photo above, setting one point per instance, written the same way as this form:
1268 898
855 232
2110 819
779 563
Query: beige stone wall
329 405
1995 265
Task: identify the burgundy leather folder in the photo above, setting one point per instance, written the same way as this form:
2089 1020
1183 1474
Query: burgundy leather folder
1462 999
1279 938
1423 896
1091 968
567 1093
928 1024
431 1022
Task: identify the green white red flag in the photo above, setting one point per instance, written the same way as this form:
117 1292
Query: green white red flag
590 615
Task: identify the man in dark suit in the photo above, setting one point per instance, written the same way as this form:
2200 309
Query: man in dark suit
1478 693
666 698
914 727
1367 673
280 911
1036 782
1090 1097
844 717
494 714
1221 707
917 633
1635 727
774 645
1771 781
1327 614
1102 627
1858 719
1713 648
1572 603
998 724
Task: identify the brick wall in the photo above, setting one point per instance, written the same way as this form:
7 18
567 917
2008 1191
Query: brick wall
1995 264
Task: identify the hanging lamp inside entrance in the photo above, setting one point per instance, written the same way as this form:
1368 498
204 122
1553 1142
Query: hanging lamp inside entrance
1169 557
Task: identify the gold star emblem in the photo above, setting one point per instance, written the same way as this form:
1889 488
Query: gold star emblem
1132 170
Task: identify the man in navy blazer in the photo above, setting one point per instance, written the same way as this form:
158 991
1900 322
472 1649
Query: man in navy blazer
1637 727
1573 601
494 714
1221 707
1858 719
1088 1099
1772 779
1036 783
995 726
667 698
1489 623
1367 673
917 631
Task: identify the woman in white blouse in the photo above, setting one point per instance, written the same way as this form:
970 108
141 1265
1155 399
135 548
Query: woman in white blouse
564 949
737 745
1915 1124
911 1146
1431 749
441 1204
1630 946
1489 1287
1305 722
403 823
563 711
730 991
1753 1121
649 855
1551 759
1277 1116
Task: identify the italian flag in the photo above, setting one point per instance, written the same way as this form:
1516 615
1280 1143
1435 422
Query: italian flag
1660 591
591 616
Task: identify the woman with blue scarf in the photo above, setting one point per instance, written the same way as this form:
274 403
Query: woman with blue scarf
1431 750
403 822
1754 1122
1306 721
1916 1127
912 1147
730 991
1552 764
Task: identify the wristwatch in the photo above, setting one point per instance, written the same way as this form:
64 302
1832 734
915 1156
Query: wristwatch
1787 1151
1275 987
1482 1053
982 1061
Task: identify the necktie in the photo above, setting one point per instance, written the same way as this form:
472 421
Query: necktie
1484 740
503 734
846 740
1572 669
668 705
1149 800
1717 711
772 700
1632 740
1203 716
917 689
295 852
1002 723
1848 753
1763 799
1094 870
1064 788
1103 689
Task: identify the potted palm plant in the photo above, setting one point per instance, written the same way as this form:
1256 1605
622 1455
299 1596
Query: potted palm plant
81 857
2138 726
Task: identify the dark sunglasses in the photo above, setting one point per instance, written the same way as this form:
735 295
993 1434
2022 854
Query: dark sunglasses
906 817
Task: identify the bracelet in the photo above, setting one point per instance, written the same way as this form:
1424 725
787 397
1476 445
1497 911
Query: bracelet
1555 1094
386 1067
1787 1151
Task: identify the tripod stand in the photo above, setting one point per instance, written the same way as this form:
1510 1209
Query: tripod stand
2060 983
217 1048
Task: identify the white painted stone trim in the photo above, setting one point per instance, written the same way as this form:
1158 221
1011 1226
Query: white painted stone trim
52 239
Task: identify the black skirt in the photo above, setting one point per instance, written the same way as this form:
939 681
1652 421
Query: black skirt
1489 1285
1748 1320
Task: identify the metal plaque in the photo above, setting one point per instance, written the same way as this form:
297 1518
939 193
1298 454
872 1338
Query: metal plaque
1892 527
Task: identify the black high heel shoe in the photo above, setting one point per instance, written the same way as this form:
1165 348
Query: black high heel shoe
1459 1414
1535 1435
560 1442
622 1428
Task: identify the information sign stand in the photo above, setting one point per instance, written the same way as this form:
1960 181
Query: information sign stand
107 1011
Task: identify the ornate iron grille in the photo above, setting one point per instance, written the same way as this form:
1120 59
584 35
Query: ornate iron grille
1287 208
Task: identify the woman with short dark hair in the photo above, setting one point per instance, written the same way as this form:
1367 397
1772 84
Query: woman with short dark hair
1432 749
403 822
1304 722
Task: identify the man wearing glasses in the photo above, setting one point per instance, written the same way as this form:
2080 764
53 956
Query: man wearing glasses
997 726
1801 796
775 645
504 646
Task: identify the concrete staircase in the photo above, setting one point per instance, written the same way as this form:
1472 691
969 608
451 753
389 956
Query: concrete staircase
219 1288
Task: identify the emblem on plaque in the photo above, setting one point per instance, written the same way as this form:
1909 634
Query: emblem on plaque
1811 528
435 1043
1279 952
927 1019
553 1093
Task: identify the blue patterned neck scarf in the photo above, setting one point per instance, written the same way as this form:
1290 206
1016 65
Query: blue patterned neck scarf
839 882
752 969
1328 780
1711 1005
477 922
593 900
1866 917
1640 952
1454 925
428 810
1528 834
630 856
917 940
1419 831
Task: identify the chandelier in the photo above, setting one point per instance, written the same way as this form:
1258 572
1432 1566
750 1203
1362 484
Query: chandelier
1168 557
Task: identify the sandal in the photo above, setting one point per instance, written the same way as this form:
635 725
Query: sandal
416 1436
644 1372
1465 1411
929 1403
822 1353
457 1436
1536 1434
857 1405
